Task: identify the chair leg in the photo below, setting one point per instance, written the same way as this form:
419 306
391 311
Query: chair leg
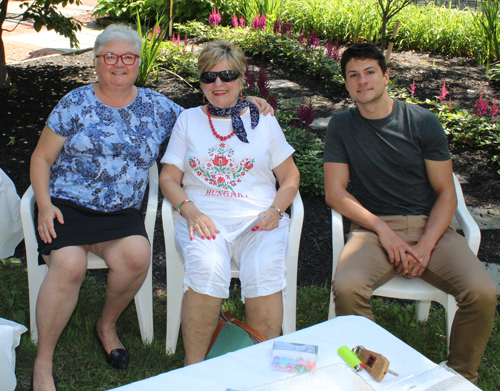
35 279
422 309
450 311
175 278
144 307
331 310
289 310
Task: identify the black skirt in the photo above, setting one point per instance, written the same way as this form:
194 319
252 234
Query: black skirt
87 226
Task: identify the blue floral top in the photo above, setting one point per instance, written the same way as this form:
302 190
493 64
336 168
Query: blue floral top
104 162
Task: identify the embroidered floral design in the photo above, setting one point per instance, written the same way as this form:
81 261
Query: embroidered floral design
220 168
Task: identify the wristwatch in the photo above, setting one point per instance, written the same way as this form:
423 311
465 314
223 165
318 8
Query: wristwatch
279 211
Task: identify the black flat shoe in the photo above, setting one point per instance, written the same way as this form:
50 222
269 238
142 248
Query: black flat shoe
118 358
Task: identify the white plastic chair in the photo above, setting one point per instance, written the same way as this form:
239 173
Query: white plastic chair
36 273
175 273
415 288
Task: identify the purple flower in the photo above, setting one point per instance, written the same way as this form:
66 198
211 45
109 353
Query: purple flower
413 87
312 40
302 37
156 31
214 18
276 27
250 80
306 112
443 92
481 107
259 22
332 51
175 40
242 22
286 27
273 101
263 83
493 109
234 19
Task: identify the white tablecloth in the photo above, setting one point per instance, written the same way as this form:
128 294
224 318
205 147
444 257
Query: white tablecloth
249 368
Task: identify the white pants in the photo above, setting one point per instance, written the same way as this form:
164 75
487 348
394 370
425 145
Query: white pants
259 255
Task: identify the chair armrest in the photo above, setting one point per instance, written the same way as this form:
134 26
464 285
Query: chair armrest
337 238
296 217
467 223
152 207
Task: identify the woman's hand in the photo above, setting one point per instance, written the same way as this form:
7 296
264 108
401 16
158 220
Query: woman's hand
46 218
269 222
262 105
198 222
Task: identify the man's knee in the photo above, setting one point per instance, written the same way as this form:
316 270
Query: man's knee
484 294
348 294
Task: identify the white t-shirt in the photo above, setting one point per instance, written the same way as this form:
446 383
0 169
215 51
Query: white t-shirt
229 181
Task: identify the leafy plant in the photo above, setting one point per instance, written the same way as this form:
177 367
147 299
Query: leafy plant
176 60
389 9
308 158
270 8
487 22
151 44
127 10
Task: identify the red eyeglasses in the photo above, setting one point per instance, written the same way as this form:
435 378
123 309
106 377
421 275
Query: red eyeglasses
112 59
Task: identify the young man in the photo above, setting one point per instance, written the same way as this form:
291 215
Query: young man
396 156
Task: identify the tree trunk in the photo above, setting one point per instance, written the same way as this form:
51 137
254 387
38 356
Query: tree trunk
4 75
384 34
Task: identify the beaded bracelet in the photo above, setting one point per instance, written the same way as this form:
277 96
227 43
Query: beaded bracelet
182 203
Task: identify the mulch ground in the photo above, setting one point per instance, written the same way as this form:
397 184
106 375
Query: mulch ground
39 84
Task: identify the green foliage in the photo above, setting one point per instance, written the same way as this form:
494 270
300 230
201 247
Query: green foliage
271 8
192 10
308 158
462 126
127 10
437 29
312 305
14 305
487 22
276 48
151 44
45 13
178 61
79 362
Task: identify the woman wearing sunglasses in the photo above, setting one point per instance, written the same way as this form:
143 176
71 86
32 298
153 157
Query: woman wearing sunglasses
220 169
89 173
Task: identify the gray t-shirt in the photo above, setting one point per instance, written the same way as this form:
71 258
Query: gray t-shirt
386 157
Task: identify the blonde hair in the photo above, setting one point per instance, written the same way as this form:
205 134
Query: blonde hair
218 51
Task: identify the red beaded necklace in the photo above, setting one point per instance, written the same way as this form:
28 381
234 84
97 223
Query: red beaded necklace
213 129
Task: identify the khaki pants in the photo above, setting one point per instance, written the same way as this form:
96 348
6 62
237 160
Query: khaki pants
453 268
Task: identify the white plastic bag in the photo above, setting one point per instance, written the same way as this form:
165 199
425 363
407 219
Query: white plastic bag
10 336
11 230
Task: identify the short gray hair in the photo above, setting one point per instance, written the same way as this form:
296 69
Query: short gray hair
118 32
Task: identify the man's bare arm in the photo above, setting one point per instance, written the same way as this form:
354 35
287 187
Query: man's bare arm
440 174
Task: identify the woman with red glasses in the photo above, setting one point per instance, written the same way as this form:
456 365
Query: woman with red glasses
220 168
89 173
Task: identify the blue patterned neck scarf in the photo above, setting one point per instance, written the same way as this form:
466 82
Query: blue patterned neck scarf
234 112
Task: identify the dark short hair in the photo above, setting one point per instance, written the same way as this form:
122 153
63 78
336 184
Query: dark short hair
362 51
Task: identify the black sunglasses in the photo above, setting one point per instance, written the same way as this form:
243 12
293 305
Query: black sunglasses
225 76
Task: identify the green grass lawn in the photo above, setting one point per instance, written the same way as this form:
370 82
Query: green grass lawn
79 363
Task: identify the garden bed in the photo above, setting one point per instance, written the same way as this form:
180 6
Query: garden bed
39 84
